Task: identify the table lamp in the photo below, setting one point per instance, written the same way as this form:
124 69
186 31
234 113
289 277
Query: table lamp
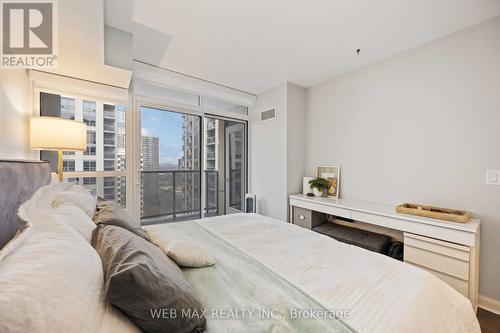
59 134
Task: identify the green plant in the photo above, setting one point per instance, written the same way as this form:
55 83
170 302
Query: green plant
320 184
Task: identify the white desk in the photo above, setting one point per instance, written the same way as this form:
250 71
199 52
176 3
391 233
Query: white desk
449 250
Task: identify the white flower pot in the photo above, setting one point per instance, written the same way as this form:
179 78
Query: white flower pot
317 193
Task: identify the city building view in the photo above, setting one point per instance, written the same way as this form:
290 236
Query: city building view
170 165
212 166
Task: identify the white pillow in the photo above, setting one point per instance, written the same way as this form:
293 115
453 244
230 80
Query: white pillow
78 196
41 211
187 253
73 216
179 247
52 282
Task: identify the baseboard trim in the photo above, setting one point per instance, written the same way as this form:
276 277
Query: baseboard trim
489 304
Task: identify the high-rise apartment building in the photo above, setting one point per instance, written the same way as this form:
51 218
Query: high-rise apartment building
188 182
150 153
150 189
211 162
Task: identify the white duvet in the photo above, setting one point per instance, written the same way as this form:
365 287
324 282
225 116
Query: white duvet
380 293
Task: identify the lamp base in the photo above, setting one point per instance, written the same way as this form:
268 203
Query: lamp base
60 166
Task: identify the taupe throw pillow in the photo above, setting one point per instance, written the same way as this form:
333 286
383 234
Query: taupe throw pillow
113 215
143 282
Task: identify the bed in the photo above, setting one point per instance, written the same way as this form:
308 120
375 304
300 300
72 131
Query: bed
289 278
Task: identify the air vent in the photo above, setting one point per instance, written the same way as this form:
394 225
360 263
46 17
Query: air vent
268 115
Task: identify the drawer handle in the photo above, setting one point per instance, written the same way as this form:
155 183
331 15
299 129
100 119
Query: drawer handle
302 217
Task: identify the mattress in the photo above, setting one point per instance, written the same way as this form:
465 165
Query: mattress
374 292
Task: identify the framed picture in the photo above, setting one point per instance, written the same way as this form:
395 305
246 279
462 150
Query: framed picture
332 175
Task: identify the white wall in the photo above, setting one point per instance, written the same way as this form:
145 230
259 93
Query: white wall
277 149
81 44
268 159
15 111
296 103
420 127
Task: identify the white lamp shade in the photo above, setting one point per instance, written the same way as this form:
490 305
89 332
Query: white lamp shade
51 133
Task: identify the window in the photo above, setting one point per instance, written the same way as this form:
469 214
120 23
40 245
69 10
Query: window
89 181
91 138
90 151
89 166
109 165
67 108
106 140
91 144
68 166
89 113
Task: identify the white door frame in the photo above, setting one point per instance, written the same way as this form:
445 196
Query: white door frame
227 184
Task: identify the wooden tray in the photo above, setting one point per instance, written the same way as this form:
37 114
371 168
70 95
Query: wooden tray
454 215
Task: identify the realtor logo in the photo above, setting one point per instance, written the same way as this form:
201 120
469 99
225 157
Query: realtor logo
29 34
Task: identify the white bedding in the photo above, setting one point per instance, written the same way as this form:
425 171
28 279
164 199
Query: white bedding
381 294
51 278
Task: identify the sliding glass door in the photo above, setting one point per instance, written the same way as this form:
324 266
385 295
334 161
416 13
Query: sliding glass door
170 166
192 165
225 165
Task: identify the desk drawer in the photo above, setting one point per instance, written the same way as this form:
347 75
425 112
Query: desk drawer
302 217
437 246
442 257
459 285
306 218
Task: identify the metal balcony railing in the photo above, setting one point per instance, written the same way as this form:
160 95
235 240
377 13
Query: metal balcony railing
211 192
170 195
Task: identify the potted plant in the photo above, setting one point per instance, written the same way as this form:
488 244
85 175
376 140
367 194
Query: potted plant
319 186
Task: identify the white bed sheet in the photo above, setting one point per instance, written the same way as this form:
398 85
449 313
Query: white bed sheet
380 293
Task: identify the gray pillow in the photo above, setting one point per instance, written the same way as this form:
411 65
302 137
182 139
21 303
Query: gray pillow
101 203
113 215
141 280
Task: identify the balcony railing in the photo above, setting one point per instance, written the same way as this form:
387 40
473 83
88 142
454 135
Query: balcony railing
169 196
211 192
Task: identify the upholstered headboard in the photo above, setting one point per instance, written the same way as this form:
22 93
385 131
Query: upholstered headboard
18 181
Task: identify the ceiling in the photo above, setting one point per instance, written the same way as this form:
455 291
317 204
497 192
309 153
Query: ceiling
255 45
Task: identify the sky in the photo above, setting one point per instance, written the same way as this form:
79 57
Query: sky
167 126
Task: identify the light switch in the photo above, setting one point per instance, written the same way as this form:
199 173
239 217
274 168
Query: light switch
493 177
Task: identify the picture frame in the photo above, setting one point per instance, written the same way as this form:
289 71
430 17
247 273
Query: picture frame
332 175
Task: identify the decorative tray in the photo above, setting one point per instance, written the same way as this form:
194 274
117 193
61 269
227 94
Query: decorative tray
447 214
